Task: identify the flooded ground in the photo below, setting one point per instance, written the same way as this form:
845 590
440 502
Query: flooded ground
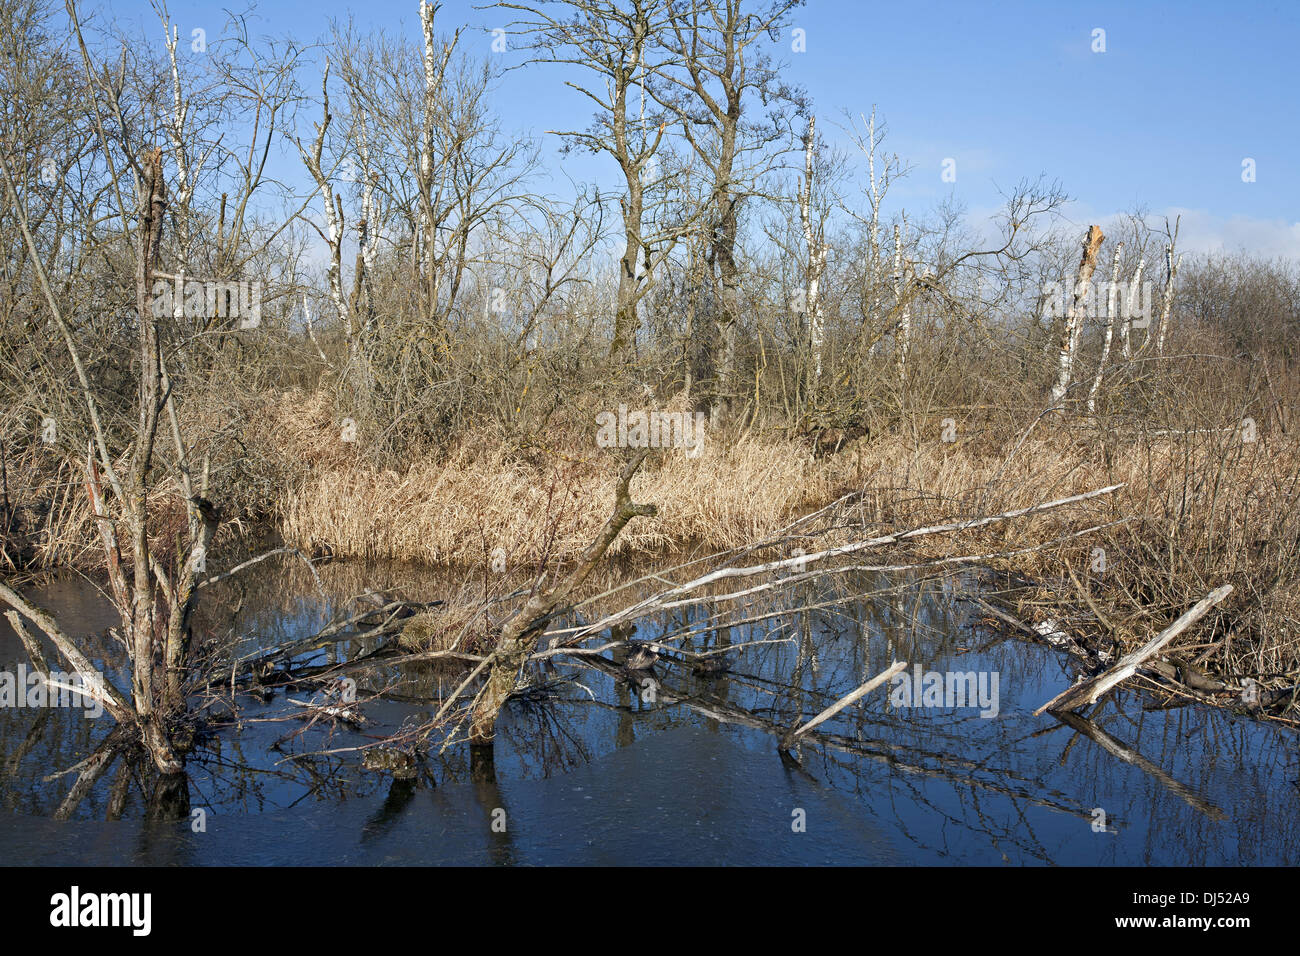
592 768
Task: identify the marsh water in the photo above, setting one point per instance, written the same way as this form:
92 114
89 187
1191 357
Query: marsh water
593 769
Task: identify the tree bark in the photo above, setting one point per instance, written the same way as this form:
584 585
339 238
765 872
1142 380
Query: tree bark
519 637
1073 324
1112 306
153 206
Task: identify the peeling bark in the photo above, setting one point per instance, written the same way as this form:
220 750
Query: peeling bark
1074 315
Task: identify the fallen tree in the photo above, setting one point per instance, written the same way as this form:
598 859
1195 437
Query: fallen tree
519 636
1092 689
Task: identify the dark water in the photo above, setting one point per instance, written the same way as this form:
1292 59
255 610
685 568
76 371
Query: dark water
589 772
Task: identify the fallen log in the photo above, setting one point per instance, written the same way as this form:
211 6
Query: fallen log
30 644
1069 645
799 562
519 635
1091 690
788 740
114 702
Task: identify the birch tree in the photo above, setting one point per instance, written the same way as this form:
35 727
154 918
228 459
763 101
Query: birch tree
1075 309
813 222
1112 307
902 286
1171 274
882 170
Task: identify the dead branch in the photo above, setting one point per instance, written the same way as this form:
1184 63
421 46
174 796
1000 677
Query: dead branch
1094 688
789 739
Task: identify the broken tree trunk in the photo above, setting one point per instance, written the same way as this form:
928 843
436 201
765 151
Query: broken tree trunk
814 240
1074 314
1112 306
1094 688
519 636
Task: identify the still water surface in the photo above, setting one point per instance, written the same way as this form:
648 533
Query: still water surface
592 773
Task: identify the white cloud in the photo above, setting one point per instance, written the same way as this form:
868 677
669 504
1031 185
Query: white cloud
1201 231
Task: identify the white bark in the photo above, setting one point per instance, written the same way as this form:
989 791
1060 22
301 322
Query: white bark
1094 688
311 330
333 213
1171 273
1112 306
877 186
1074 315
186 177
814 240
430 83
902 282
432 75
369 224
1134 297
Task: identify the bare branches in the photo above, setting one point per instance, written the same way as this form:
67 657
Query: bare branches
1171 273
519 636
800 561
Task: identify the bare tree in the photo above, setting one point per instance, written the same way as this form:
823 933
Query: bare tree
813 222
334 221
723 69
153 581
618 41
869 138
1171 273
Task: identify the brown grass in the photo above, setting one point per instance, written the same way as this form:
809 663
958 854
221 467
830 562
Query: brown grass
1201 509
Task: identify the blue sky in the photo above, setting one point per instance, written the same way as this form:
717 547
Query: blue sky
1183 93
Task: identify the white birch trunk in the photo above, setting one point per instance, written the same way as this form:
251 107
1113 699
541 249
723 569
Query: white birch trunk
1074 315
1134 297
816 259
426 149
1112 305
901 277
1171 273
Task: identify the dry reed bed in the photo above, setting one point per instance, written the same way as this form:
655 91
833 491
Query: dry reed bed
462 509
1199 510
458 506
